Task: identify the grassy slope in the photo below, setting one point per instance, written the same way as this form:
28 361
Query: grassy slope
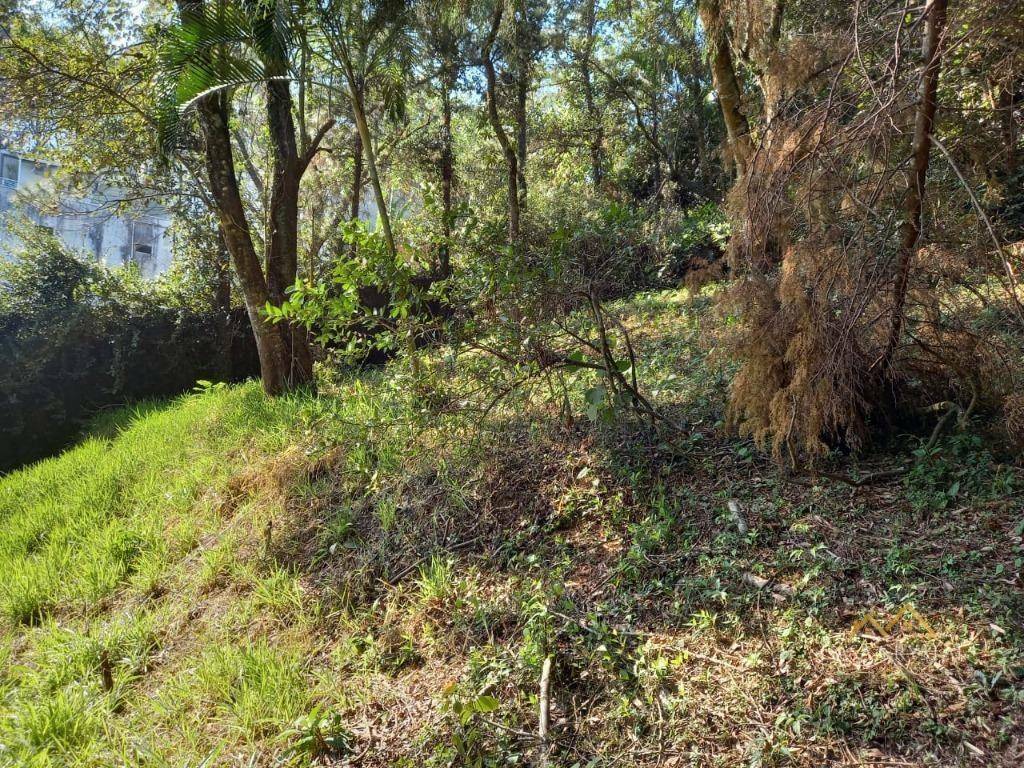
230 581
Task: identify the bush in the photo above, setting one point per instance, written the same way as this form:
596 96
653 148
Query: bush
77 337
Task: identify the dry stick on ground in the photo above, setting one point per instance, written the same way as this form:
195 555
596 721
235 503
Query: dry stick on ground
545 710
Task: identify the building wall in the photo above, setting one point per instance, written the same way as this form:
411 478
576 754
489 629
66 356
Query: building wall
87 223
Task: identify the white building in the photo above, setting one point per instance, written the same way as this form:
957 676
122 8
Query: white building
88 223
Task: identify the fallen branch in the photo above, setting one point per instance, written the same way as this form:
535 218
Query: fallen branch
545 710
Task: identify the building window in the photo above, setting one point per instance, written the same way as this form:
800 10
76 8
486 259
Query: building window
9 166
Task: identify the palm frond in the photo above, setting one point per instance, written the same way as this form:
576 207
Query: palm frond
226 47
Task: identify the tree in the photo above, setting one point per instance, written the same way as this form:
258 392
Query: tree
494 117
727 87
442 29
935 19
866 273
210 52
369 41
658 76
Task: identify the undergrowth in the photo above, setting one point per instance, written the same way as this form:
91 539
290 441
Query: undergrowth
376 575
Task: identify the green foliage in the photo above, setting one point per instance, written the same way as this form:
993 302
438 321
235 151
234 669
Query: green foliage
105 522
437 580
468 740
77 337
257 689
957 467
233 45
365 304
44 541
318 735
171 632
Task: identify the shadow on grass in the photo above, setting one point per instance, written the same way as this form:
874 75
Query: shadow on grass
108 422
675 634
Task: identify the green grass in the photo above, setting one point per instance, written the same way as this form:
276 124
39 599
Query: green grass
227 580
99 528
76 528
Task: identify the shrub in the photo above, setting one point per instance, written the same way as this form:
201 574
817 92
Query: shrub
77 337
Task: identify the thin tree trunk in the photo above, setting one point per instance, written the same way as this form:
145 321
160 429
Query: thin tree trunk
1004 102
222 267
371 167
700 130
356 200
522 91
723 76
922 143
447 178
656 139
511 159
597 134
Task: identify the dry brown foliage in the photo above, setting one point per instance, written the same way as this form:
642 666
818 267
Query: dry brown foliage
817 217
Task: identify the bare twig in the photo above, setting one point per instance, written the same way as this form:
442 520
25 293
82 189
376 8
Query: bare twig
545 709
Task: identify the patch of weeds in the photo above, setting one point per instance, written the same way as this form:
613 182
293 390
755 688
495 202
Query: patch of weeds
65 723
219 563
866 709
437 582
104 658
317 736
257 689
956 467
387 513
30 593
338 527
539 624
279 595
150 573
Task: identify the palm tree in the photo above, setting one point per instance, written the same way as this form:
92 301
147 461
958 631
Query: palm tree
212 51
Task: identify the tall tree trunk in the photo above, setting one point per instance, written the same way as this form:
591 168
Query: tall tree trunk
356 199
593 118
222 276
700 130
723 76
1005 102
921 146
220 167
656 140
359 113
447 177
511 158
283 244
522 91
